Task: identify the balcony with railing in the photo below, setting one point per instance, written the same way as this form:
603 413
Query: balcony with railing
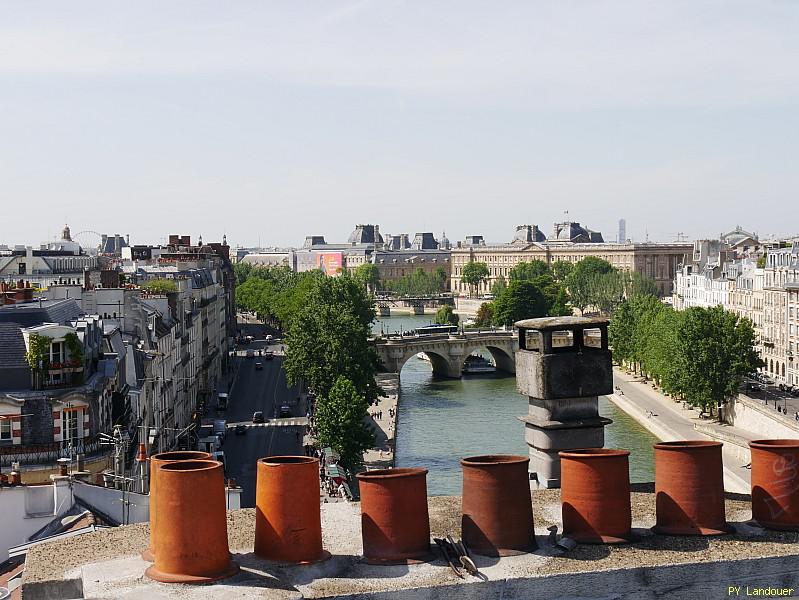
46 454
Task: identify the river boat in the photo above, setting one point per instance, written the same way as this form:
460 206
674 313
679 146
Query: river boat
476 364
422 356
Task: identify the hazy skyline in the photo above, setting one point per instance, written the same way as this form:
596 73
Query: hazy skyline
274 121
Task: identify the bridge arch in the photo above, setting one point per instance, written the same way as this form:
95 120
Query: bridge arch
503 356
448 353
440 362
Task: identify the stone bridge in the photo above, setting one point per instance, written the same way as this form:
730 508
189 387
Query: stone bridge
448 352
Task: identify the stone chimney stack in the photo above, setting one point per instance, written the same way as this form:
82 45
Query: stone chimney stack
562 366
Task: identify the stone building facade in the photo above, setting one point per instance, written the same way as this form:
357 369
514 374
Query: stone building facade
394 255
781 314
658 261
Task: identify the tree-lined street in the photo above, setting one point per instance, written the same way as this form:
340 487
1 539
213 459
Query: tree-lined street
265 390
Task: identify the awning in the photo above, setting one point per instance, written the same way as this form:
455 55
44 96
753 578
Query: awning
331 456
334 471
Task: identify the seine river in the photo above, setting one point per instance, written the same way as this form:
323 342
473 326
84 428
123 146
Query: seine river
442 420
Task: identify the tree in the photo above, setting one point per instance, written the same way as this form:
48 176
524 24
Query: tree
621 334
328 337
446 316
637 284
419 283
522 300
440 278
160 286
242 271
474 273
340 422
498 286
606 290
561 270
660 358
761 262
584 281
369 275
527 271
716 349
591 265
560 305
485 315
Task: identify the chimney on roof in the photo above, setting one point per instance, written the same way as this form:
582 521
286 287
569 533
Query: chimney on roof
142 455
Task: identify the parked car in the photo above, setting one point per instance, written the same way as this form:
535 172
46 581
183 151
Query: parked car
241 429
268 355
755 387
258 416
259 366
285 411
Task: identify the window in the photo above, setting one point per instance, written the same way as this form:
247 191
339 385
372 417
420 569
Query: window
5 429
71 424
57 352
22 268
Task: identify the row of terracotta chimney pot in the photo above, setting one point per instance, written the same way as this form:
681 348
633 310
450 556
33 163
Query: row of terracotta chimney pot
22 293
13 478
190 546
689 490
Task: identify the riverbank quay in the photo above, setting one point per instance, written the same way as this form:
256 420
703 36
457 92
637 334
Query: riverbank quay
106 564
383 421
670 421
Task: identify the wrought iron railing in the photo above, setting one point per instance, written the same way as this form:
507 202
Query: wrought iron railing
45 454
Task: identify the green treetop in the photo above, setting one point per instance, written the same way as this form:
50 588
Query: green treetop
329 337
446 316
474 273
522 300
340 422
369 275
528 271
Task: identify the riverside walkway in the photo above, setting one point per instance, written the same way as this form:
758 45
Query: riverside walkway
669 421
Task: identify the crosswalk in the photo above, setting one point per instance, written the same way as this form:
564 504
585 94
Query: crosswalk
288 422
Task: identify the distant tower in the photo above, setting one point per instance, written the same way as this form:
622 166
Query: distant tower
622 231
65 235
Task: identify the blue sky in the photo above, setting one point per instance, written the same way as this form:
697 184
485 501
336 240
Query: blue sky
270 121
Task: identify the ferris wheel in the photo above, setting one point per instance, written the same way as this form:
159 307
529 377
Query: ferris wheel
89 240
